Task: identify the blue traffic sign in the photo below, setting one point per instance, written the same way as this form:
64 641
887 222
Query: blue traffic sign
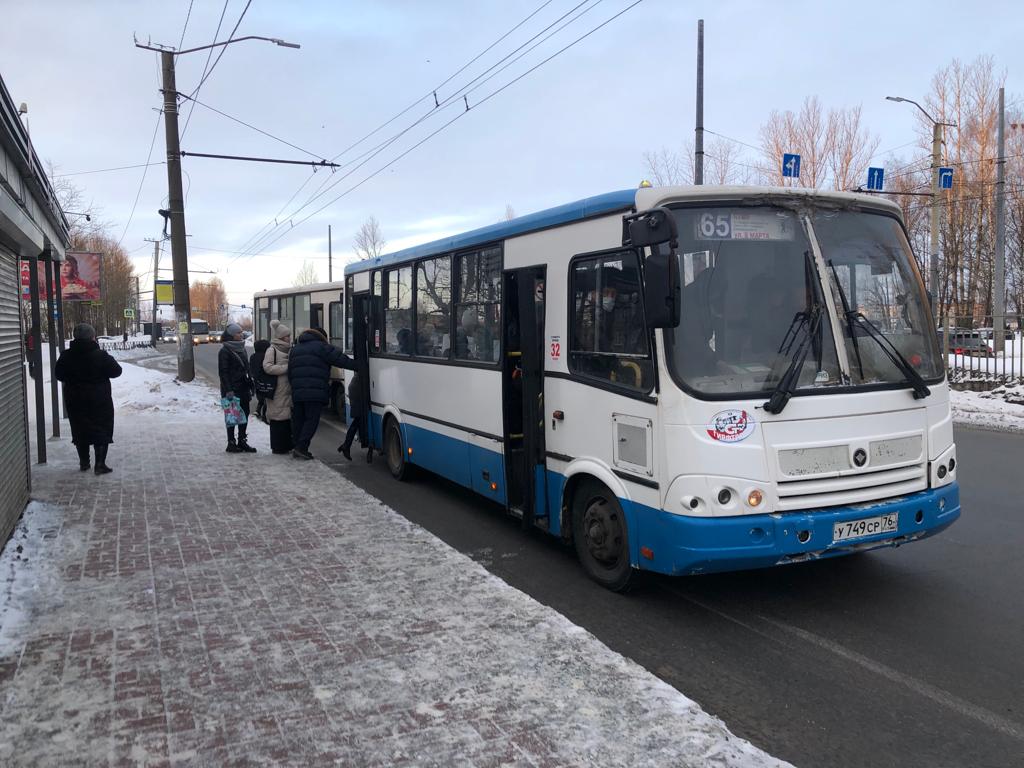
876 178
790 165
945 178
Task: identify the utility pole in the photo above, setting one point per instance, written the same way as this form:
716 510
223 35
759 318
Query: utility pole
156 274
138 308
330 262
933 271
698 154
176 205
51 333
999 279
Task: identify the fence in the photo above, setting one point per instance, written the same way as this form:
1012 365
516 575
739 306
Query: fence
972 359
109 344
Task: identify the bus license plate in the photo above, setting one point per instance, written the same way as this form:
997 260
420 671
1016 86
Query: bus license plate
868 526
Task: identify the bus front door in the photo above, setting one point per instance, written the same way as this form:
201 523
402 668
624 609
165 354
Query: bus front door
523 394
360 350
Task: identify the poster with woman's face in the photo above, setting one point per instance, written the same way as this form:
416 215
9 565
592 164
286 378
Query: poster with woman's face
80 276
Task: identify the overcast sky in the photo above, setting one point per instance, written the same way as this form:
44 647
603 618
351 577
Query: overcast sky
575 127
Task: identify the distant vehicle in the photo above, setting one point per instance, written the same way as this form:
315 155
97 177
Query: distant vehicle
967 342
311 306
170 335
200 332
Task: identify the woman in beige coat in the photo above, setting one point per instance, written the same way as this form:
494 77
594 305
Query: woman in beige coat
279 408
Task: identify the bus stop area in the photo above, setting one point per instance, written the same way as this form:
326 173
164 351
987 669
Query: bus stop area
215 610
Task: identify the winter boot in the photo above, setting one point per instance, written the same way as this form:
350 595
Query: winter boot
83 457
345 451
369 455
244 447
101 461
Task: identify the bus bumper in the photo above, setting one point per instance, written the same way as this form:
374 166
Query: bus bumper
689 545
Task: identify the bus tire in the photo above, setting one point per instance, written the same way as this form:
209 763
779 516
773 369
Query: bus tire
600 535
394 451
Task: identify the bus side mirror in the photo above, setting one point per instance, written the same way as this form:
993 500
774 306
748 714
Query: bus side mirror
661 289
652 229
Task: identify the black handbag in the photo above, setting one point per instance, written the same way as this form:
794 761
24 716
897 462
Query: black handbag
264 383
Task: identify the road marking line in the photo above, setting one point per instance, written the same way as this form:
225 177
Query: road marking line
929 691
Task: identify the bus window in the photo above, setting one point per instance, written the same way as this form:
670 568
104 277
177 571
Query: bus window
286 313
478 309
376 313
609 340
263 328
336 321
301 310
398 311
348 313
433 307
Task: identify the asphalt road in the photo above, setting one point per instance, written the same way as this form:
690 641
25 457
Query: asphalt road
901 657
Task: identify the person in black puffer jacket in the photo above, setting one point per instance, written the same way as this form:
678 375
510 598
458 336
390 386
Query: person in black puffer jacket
255 371
233 368
309 374
86 371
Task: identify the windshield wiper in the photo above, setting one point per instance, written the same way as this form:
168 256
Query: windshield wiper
848 315
913 377
810 324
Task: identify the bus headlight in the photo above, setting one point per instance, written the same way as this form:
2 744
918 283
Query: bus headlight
755 497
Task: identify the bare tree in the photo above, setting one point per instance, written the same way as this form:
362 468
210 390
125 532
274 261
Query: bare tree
368 241
510 212
307 275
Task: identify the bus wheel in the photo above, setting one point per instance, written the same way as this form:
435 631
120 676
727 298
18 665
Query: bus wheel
394 452
599 533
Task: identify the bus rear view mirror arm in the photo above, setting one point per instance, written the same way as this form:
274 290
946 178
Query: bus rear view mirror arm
653 229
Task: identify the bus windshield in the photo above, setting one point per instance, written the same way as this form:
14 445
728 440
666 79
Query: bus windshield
200 327
754 293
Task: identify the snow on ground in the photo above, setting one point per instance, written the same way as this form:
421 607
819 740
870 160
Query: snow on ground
167 617
1001 408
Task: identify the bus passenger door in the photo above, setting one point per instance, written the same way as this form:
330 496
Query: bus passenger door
316 316
523 393
360 350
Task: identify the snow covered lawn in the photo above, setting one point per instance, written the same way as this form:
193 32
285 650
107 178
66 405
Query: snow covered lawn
1002 408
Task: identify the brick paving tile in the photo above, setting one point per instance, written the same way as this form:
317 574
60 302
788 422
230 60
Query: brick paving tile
227 610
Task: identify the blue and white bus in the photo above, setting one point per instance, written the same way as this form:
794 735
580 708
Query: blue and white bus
677 379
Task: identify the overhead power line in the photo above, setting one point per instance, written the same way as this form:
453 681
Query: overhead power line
184 29
108 170
253 127
145 169
271 226
459 116
206 67
439 106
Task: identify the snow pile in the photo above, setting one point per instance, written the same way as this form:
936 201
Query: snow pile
147 389
1002 408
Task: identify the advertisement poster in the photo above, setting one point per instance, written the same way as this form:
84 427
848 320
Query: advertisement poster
79 277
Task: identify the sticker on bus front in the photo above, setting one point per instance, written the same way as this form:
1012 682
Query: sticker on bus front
731 426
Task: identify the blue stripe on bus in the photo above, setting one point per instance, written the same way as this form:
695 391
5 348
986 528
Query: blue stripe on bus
683 544
563 214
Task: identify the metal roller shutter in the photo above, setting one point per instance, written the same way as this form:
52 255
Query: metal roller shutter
14 450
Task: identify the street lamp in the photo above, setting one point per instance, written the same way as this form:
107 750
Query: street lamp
933 270
175 196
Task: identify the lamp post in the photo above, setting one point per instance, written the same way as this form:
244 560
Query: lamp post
176 204
933 270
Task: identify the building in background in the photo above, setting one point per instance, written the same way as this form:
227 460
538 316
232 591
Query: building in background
33 229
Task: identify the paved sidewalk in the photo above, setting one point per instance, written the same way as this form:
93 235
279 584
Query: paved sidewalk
214 609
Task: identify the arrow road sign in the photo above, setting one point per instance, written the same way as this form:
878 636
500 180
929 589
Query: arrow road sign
790 166
876 178
945 178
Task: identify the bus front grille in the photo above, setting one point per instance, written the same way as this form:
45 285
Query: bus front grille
851 488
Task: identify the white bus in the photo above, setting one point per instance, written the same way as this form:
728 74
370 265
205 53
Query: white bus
677 379
310 306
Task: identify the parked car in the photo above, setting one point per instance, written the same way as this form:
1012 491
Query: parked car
966 342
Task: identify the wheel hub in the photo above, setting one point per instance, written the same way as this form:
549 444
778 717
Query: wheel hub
603 531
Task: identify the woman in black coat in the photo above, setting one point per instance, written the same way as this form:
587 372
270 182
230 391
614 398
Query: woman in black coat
235 381
86 371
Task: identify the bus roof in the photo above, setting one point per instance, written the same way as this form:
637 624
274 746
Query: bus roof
337 285
564 214
621 200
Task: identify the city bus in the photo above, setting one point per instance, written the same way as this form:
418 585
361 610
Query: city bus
201 332
310 306
678 379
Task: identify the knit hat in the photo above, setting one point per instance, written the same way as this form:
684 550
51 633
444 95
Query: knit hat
279 330
233 329
84 331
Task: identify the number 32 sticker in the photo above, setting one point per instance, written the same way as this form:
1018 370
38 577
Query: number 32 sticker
556 347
